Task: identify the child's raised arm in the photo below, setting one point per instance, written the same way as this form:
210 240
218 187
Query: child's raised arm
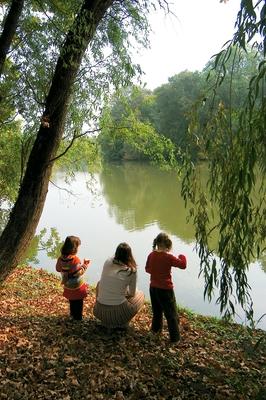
82 268
180 261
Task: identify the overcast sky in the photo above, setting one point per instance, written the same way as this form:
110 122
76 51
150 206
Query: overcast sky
187 41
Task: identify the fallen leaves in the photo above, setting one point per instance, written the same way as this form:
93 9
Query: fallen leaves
45 355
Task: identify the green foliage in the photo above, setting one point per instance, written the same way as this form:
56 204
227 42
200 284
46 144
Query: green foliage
29 69
233 139
51 245
7 109
173 102
229 75
167 110
81 155
35 50
10 168
10 142
126 134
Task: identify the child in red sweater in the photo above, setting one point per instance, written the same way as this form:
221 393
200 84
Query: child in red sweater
158 265
72 269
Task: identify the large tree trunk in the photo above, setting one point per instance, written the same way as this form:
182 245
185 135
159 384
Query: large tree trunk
27 210
10 26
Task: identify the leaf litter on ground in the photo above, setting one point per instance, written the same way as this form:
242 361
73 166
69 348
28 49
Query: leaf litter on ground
45 355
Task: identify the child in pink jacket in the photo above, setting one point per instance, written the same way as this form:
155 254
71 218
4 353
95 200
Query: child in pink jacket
72 270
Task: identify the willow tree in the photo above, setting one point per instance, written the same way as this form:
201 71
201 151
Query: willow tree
234 142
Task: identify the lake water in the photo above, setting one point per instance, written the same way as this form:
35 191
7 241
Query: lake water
132 203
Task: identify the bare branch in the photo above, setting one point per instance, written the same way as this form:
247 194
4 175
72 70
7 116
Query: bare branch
64 189
34 94
40 3
72 141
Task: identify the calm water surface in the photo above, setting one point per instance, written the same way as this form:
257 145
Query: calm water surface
133 203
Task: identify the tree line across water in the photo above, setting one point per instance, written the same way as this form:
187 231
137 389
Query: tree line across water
138 123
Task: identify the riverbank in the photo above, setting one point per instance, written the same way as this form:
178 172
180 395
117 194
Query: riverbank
44 355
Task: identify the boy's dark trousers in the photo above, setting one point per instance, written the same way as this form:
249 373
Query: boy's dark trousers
76 309
163 302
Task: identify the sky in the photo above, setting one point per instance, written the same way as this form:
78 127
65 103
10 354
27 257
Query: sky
187 40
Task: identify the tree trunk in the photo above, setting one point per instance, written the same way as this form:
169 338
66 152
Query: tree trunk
27 210
10 26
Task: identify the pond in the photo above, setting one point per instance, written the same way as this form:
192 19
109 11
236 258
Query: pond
132 203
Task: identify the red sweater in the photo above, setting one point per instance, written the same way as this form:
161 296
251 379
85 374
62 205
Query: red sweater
159 264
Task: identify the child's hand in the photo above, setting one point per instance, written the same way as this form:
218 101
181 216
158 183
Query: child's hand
183 261
86 261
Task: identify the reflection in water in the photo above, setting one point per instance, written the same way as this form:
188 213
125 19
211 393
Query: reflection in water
140 195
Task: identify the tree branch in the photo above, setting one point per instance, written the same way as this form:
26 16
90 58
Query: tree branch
72 141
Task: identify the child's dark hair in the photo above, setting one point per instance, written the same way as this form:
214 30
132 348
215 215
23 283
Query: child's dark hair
71 245
123 254
162 240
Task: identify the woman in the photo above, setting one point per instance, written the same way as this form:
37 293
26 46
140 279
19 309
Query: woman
117 300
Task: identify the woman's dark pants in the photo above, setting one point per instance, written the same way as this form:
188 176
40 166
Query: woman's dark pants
163 302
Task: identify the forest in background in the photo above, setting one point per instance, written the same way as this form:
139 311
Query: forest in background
140 124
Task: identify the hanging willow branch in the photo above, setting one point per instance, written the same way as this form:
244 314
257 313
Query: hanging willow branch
234 143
